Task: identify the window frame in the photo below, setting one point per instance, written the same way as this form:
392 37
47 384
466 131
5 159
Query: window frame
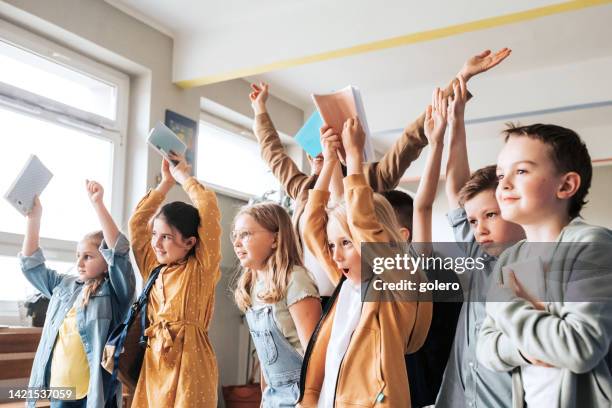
42 108
235 130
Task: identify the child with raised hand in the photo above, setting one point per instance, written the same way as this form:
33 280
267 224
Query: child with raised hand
482 233
83 309
354 357
426 366
179 368
278 296
555 341
381 176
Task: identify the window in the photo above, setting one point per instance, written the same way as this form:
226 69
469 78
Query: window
71 112
240 169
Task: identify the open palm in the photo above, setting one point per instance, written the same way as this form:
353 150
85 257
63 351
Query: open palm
483 62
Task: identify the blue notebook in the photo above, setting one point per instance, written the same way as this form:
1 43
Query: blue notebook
309 135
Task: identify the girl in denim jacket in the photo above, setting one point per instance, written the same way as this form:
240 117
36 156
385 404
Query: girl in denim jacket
83 308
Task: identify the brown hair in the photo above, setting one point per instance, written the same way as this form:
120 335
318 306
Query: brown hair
481 180
403 205
92 285
569 154
281 262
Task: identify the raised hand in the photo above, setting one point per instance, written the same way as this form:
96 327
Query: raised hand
181 171
457 101
258 97
36 212
331 143
95 191
435 117
353 138
483 62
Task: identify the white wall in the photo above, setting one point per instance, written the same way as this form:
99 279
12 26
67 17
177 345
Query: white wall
98 30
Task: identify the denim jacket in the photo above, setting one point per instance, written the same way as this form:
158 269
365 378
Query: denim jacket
106 308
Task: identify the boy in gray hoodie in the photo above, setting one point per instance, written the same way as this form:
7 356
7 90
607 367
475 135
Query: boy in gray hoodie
549 306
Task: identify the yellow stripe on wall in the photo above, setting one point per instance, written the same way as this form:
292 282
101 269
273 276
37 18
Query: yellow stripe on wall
413 38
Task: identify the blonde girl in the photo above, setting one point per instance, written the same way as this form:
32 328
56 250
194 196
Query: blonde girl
83 308
356 356
278 296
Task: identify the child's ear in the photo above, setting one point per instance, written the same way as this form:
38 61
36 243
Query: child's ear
570 183
190 242
275 242
405 233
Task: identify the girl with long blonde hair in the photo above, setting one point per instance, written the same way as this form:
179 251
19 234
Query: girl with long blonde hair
278 296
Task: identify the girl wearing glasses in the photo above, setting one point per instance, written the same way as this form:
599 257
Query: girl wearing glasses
278 296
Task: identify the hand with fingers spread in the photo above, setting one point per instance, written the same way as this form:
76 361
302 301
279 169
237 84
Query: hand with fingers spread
435 118
457 101
258 97
482 62
181 171
95 191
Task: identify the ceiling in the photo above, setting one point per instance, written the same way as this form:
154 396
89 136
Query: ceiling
559 70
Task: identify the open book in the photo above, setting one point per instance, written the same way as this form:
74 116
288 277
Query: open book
337 107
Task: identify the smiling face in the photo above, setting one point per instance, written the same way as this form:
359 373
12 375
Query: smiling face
168 243
530 187
491 231
90 263
253 244
344 253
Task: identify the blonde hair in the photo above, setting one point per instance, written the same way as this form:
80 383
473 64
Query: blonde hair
384 214
92 285
284 258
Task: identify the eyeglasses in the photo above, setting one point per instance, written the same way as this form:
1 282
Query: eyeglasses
243 235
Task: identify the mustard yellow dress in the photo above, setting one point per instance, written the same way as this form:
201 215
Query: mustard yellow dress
180 367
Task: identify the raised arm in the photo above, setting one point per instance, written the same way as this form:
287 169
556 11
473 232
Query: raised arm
95 191
293 180
115 249
386 174
457 167
315 232
31 241
139 225
435 126
31 257
208 251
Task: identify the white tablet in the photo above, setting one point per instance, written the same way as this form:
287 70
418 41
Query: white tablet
30 182
164 140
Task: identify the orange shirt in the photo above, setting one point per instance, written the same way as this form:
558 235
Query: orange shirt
180 367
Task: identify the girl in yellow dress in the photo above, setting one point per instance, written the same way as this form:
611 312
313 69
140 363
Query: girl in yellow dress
180 368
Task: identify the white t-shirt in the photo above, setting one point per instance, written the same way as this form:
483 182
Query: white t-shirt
348 312
541 385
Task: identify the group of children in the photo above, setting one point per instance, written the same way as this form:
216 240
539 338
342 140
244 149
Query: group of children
323 337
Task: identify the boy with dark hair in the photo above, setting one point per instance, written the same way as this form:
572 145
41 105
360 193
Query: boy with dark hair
426 366
481 233
555 341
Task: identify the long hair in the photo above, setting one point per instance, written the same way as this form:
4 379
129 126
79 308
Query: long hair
283 259
92 285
